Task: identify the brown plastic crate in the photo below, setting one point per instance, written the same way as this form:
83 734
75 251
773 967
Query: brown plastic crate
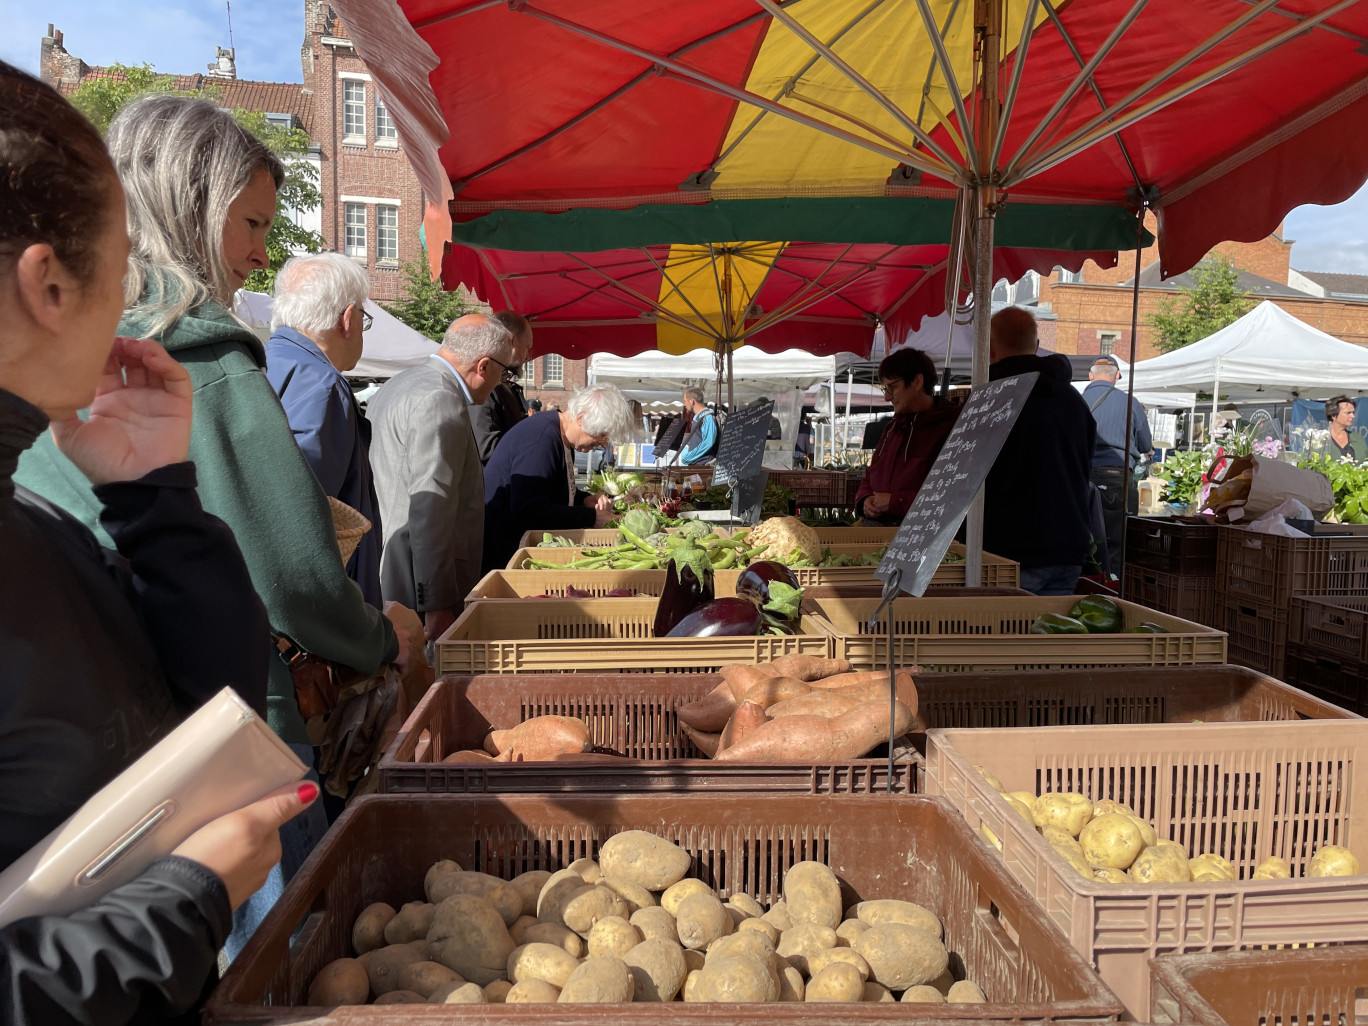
1175 545
1317 987
1332 625
629 714
1187 597
598 635
1270 568
1257 632
887 846
1176 694
960 634
855 535
1341 681
812 487
1242 790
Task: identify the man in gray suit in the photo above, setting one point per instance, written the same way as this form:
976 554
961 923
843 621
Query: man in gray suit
428 475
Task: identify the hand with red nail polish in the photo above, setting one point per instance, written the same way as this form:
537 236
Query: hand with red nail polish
241 847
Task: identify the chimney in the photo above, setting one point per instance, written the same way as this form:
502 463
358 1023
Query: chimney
55 64
225 63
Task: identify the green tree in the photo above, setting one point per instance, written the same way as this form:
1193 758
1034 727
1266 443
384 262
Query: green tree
427 307
1213 302
100 99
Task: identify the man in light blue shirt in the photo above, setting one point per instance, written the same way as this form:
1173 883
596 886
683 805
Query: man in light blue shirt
1114 457
701 443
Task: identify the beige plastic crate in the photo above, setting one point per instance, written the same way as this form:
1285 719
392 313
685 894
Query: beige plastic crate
599 635
592 537
1242 790
508 585
957 634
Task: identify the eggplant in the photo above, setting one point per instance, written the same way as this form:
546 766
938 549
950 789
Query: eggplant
720 618
772 586
682 594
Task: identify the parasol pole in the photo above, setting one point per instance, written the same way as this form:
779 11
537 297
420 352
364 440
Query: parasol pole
1130 374
988 25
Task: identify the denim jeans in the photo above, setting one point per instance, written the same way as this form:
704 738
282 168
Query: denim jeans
1051 580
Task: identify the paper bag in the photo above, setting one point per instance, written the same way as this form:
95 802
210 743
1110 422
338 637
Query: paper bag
1252 485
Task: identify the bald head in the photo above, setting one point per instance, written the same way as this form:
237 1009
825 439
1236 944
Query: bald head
521 329
1013 334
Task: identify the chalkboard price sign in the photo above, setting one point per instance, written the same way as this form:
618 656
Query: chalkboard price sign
968 454
671 435
741 450
748 497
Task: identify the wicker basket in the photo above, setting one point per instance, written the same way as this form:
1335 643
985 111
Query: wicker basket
349 526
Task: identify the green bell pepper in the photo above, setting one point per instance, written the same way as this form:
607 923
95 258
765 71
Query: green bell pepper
1145 628
1057 623
1098 614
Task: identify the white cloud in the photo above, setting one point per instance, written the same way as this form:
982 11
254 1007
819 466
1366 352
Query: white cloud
1331 238
1339 257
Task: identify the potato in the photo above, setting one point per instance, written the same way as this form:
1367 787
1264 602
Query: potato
499 893
532 992
1273 868
468 934
848 931
658 970
890 910
541 962
425 977
923 994
740 945
556 893
839 981
746 904
645 859
813 895
633 894
690 989
758 926
655 924
458 994
494 993
588 869
1111 841
601 980
400 997
368 932
1057 836
987 775
819 961
1209 864
1068 811
529 885
802 942
1026 798
1021 809
1075 859
677 892
737 979
986 832
340 982
791 985
364 960
1332 860
437 871
1147 833
1103 806
615 936
554 933
1112 876
965 992
1161 863
386 966
902 956
700 919
411 924
778 916
588 906
877 992
944 981
693 959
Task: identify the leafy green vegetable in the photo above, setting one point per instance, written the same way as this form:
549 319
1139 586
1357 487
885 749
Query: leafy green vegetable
695 529
640 522
784 601
694 556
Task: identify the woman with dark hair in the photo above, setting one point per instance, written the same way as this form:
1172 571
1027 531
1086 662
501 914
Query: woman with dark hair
909 446
1339 411
106 652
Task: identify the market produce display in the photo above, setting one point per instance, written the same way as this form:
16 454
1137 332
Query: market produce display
633 926
1107 841
1092 614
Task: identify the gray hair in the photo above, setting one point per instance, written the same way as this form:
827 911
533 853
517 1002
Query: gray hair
694 393
182 162
474 336
603 410
312 291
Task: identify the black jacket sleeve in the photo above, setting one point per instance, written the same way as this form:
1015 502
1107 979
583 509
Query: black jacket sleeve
493 419
185 575
144 953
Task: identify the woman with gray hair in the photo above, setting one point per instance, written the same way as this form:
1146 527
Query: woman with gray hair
530 479
201 195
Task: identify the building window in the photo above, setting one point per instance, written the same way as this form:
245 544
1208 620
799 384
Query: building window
1106 342
553 370
385 132
285 121
386 235
353 111
354 218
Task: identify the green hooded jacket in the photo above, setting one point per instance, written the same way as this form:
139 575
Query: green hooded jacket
254 478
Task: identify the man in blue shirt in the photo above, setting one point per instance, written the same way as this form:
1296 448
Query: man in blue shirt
316 325
1112 468
700 445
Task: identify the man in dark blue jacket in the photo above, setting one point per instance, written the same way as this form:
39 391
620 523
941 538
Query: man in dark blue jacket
316 325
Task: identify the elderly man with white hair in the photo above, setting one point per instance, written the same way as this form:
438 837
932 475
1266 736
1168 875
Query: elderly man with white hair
316 324
530 479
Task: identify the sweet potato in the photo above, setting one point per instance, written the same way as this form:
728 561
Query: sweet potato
850 735
711 712
845 680
740 677
704 742
469 755
775 689
540 738
819 703
747 717
807 668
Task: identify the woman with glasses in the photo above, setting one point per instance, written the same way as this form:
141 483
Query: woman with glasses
909 446
530 479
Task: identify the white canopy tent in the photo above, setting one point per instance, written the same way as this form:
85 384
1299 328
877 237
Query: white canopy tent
1265 351
656 376
390 345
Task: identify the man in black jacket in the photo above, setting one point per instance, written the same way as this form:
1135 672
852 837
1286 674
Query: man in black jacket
506 405
1038 492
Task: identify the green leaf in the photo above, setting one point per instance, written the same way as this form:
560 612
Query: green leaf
784 601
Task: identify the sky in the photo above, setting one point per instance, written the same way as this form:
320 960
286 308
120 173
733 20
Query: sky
179 36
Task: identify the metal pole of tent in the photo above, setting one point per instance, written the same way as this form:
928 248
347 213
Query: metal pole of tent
1130 391
850 387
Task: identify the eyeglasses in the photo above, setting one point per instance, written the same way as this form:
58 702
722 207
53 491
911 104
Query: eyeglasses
889 387
366 321
509 373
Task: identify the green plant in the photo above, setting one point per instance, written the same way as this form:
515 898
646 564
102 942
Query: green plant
1183 471
1214 301
427 307
1350 482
